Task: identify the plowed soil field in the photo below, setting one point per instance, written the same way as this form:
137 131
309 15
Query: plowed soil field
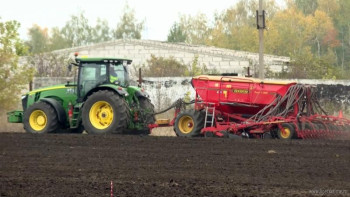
85 165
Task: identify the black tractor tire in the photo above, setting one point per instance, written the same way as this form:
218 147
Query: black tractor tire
40 118
189 123
288 134
105 112
147 111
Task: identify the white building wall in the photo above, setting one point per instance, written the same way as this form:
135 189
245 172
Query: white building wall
223 60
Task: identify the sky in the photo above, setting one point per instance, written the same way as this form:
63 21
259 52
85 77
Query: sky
159 15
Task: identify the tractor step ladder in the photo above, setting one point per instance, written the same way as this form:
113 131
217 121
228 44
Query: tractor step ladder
76 112
209 115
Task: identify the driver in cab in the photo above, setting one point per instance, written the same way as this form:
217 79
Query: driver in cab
113 77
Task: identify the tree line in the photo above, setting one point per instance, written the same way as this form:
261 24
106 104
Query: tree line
78 32
315 34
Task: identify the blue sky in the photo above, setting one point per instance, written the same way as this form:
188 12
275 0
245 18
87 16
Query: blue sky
159 15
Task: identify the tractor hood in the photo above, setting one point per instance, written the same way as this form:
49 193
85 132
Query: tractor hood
54 87
61 93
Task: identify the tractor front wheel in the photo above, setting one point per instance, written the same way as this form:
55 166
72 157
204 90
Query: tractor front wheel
105 112
40 118
189 123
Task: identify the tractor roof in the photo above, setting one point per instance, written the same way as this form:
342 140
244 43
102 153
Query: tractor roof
102 59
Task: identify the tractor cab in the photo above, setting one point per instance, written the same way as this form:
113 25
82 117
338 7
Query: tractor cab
94 72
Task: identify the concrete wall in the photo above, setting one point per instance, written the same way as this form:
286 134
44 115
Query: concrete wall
223 60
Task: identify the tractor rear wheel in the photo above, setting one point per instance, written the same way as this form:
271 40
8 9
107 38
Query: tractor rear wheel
105 112
287 131
147 112
189 123
40 118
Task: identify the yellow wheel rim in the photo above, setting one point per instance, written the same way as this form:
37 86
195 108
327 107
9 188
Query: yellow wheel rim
38 120
186 124
101 115
285 133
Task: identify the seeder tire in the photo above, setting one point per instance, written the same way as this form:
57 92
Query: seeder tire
40 118
189 123
105 112
288 133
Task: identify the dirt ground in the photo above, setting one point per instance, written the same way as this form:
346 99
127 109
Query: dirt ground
85 165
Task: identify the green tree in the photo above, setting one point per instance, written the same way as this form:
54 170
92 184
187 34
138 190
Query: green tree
128 27
195 28
308 66
164 67
342 24
310 41
218 35
38 39
176 34
101 32
195 69
290 31
58 40
49 64
235 27
307 6
80 34
170 67
331 7
13 77
77 31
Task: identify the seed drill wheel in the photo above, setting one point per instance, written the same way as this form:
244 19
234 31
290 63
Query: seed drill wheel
105 112
287 131
40 118
189 123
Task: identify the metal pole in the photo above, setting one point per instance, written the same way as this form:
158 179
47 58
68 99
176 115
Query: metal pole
261 41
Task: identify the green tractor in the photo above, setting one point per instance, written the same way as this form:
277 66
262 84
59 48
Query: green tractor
100 101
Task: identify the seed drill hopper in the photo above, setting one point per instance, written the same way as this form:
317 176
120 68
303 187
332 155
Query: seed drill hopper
228 106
